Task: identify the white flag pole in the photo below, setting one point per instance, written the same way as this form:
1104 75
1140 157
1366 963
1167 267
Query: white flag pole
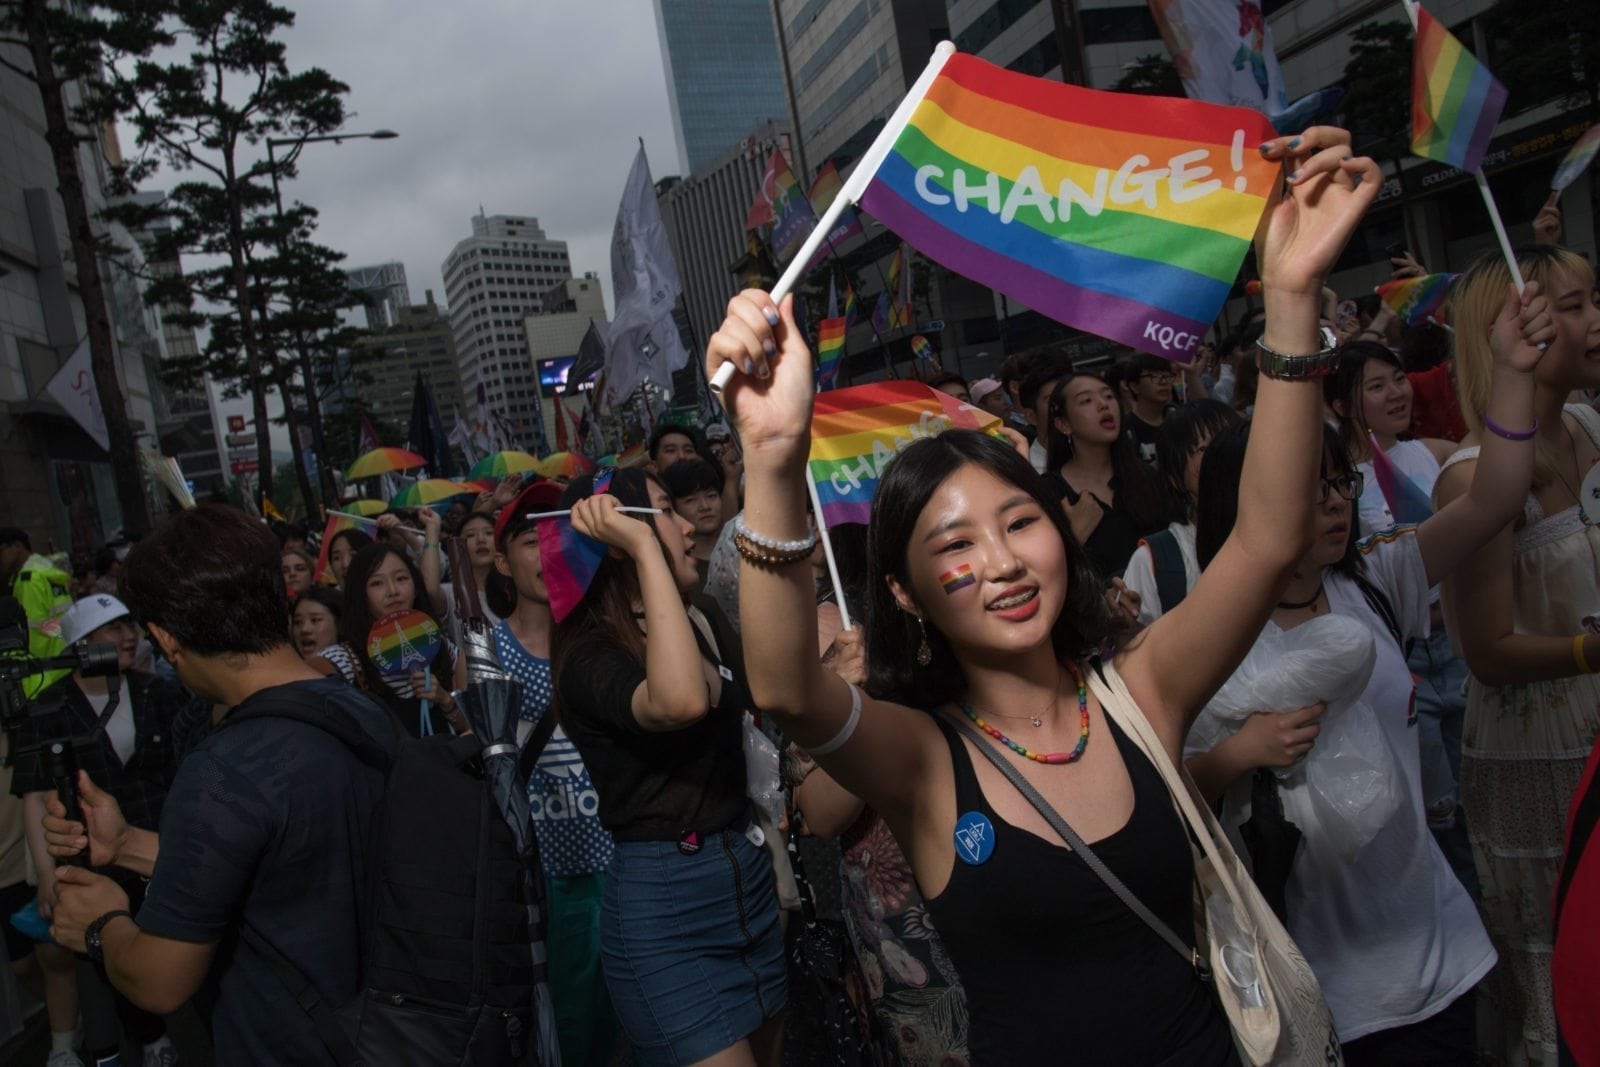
1483 190
854 187
827 548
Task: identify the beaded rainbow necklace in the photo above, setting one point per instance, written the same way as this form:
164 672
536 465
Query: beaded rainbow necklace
1045 757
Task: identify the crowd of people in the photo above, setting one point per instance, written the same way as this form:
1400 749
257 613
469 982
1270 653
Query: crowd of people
972 778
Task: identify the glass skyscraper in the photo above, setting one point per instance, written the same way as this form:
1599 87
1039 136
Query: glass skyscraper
723 73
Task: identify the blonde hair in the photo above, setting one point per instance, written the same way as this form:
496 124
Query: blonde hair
1475 303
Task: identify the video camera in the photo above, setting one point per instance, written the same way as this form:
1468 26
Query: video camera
15 664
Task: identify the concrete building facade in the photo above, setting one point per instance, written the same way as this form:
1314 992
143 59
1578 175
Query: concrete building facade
55 481
556 334
493 280
383 291
722 69
420 339
705 215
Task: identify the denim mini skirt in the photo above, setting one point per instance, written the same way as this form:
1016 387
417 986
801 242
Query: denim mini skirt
691 946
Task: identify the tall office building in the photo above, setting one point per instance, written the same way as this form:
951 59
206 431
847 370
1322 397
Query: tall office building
383 292
493 280
419 339
1085 42
705 215
723 74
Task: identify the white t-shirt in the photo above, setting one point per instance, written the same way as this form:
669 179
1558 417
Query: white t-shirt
1392 937
1140 575
1416 462
119 728
1038 454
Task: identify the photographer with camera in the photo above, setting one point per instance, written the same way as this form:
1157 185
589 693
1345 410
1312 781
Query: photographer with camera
118 730
264 827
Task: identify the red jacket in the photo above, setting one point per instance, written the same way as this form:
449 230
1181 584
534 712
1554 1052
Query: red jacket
1435 411
1575 964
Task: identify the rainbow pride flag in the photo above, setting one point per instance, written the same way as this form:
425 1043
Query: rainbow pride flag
849 305
636 455
569 561
792 217
1407 502
825 188
1577 159
855 432
830 352
1455 101
1123 215
1418 300
921 349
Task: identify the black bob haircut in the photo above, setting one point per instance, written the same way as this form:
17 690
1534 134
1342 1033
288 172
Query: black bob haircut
211 577
667 429
1219 493
692 476
1083 629
1179 434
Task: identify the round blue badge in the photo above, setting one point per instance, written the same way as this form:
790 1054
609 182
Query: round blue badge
974 838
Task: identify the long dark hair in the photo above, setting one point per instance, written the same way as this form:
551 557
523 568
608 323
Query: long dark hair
1140 494
356 625
1085 625
605 614
1219 492
1178 436
1342 389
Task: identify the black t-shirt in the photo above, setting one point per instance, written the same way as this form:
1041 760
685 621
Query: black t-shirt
265 825
653 786
1144 435
1112 543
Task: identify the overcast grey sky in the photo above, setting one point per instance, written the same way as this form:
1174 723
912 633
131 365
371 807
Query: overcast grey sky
528 107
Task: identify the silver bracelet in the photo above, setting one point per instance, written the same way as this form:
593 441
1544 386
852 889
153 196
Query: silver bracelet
805 544
836 742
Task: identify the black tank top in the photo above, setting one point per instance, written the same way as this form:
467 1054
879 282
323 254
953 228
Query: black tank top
1056 968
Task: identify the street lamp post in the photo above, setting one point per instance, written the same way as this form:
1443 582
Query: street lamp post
303 354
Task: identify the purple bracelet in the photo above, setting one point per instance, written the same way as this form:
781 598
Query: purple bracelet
1500 431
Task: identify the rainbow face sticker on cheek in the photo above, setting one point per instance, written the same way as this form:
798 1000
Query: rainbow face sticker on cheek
958 579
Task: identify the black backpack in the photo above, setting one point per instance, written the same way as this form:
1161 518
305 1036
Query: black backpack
447 970
1166 561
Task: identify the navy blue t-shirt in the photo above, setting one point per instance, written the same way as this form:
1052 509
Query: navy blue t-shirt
266 825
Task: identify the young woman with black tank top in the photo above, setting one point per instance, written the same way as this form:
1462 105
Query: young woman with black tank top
981 603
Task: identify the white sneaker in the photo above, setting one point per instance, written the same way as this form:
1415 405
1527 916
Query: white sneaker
63 1058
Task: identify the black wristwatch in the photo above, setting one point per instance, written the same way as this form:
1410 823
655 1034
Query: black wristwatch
91 936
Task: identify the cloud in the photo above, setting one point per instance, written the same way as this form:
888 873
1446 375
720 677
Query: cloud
527 108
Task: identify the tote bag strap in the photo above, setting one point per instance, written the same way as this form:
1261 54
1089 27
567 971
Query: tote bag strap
1119 704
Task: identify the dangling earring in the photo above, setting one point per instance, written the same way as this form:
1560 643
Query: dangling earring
924 653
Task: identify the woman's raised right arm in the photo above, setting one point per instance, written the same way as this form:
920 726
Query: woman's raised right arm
886 747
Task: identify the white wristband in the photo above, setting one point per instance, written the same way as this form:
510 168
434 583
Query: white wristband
836 742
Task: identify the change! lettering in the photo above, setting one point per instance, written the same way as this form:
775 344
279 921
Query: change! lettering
852 475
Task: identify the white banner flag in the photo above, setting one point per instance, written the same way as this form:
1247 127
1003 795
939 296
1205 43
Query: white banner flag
644 276
73 388
1223 52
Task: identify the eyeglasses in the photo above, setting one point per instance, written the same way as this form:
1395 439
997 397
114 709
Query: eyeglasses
1349 487
1160 377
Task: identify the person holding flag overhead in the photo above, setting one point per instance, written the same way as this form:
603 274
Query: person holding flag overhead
983 606
689 936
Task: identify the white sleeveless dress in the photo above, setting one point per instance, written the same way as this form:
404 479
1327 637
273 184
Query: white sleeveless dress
1522 757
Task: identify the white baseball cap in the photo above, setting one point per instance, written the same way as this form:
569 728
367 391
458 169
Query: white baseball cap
89 614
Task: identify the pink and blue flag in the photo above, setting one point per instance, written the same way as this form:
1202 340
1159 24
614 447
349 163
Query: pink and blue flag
569 560
1407 502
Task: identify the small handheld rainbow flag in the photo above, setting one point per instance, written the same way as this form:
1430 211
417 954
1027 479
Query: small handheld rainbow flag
1455 101
1126 216
1418 300
855 432
1407 502
830 352
922 350
849 305
824 189
1577 159
569 561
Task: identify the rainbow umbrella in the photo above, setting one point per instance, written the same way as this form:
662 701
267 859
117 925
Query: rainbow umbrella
567 465
429 491
500 464
384 461
366 508
482 485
